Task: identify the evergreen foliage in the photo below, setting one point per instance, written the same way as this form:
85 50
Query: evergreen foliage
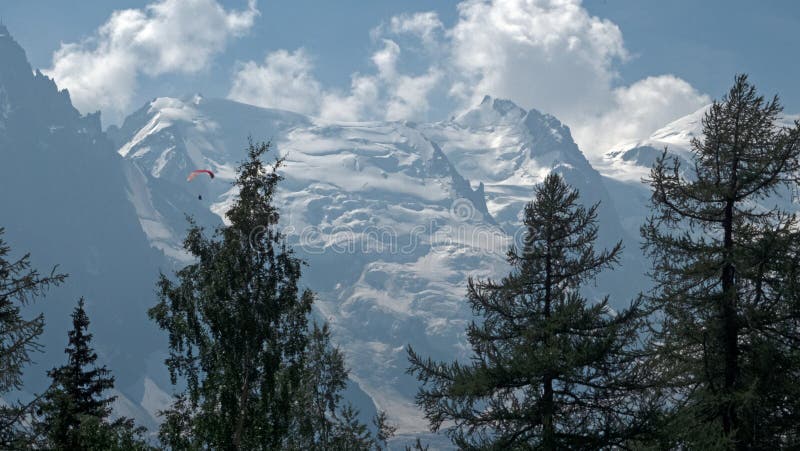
19 286
551 369
74 413
726 343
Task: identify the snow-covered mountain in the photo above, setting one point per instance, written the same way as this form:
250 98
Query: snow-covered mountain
630 162
392 217
510 150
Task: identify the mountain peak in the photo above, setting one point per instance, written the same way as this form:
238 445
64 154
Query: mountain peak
30 100
503 106
491 111
681 131
15 62
543 125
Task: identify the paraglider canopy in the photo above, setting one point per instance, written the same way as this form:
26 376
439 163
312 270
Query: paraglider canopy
194 174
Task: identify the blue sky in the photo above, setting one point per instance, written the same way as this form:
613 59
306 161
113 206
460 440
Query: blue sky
613 70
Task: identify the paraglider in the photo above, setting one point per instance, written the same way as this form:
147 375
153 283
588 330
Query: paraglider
197 172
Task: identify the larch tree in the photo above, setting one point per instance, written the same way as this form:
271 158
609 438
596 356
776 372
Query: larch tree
551 369
19 285
726 337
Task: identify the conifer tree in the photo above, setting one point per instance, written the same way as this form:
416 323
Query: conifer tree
726 341
74 412
551 369
78 387
19 285
257 376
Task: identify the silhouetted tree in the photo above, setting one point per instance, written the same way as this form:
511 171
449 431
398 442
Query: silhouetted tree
551 370
19 285
74 412
725 266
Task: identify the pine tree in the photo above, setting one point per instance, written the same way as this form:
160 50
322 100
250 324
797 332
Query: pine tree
74 413
551 370
19 285
725 265
256 375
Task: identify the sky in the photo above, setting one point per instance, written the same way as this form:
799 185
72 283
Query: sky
613 70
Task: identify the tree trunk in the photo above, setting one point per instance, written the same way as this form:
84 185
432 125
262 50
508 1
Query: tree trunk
548 428
730 332
237 436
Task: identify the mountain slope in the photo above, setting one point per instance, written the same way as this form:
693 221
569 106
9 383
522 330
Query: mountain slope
62 199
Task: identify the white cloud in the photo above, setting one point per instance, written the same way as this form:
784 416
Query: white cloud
385 59
638 111
551 55
554 56
425 25
407 96
284 81
360 103
166 36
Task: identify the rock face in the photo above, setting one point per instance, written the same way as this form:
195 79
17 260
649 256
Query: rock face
64 200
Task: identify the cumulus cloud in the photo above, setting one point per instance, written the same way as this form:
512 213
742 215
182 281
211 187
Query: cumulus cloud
284 81
407 96
424 25
639 110
358 104
385 59
556 57
551 55
166 36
